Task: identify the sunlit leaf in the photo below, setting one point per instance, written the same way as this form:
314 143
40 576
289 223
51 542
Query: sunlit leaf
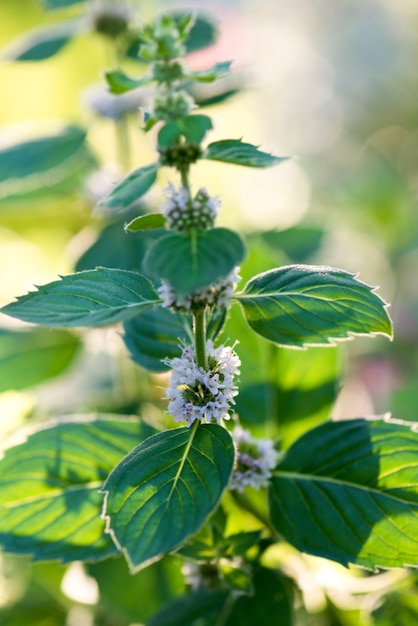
50 503
30 357
119 82
239 153
146 222
90 298
302 305
348 491
164 490
194 259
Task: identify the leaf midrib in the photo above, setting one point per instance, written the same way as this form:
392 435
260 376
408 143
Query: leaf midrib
328 479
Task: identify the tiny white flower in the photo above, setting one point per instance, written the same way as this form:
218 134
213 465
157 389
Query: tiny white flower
256 460
196 394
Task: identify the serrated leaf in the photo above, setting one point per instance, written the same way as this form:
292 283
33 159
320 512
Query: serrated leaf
30 357
348 491
41 43
303 305
154 336
164 490
91 298
41 164
194 259
146 222
119 82
130 189
239 153
50 502
212 74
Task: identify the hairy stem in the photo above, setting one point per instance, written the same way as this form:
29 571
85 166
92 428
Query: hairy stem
200 337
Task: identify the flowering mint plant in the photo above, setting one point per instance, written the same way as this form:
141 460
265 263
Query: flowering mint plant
91 488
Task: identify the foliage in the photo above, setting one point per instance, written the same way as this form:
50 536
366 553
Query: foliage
209 517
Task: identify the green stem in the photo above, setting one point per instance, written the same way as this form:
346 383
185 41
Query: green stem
200 337
184 173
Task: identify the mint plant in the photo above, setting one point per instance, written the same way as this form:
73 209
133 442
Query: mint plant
86 489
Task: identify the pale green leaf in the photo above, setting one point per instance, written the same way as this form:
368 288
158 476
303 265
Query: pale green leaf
91 298
194 259
119 82
126 193
60 4
348 491
146 222
239 153
30 357
50 504
215 72
303 305
164 490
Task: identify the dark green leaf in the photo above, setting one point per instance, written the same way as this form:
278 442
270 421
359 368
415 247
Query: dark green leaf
119 82
90 298
50 503
130 189
348 491
41 43
202 34
194 259
146 222
197 608
192 127
236 576
154 336
298 243
163 491
215 72
302 305
239 153
270 604
117 248
30 357
39 164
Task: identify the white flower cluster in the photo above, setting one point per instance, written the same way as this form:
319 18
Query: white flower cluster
183 212
198 394
256 460
218 294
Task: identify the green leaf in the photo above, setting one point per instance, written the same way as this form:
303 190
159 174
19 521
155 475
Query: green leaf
302 305
240 153
236 576
59 4
154 336
192 127
91 298
118 249
30 357
194 259
50 502
164 490
119 82
215 72
270 604
146 222
130 189
39 164
198 608
348 491
203 32
41 43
